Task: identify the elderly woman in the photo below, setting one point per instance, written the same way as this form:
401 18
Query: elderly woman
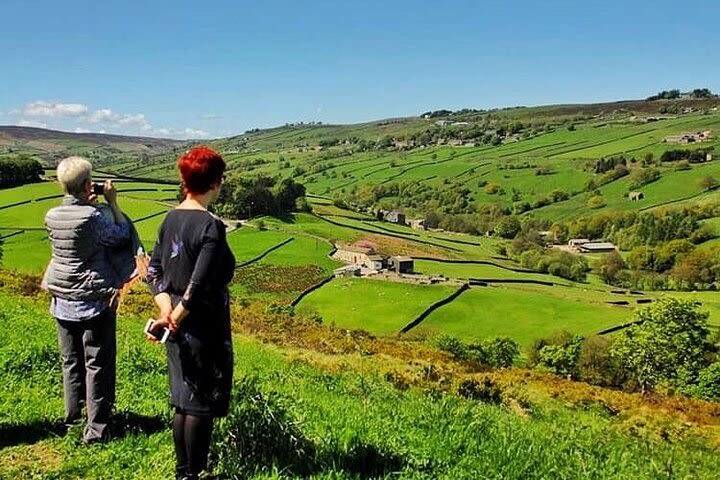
83 284
190 269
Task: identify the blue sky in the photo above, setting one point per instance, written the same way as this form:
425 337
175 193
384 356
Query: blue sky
217 68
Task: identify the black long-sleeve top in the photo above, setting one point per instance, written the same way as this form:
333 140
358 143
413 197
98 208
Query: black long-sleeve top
192 260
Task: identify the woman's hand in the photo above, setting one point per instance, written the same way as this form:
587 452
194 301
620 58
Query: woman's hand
162 322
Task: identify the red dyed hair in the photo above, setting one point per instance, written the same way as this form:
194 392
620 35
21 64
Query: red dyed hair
201 167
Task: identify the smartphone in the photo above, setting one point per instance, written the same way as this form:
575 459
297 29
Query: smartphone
160 334
98 188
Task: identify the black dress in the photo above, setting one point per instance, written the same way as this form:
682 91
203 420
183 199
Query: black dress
193 263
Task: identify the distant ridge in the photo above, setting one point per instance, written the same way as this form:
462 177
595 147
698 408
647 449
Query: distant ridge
16 132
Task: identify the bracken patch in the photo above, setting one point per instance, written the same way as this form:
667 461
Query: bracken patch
279 278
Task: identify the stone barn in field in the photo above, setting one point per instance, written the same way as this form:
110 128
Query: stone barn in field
395 217
400 264
635 196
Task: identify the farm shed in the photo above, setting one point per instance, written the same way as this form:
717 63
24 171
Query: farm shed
376 262
576 242
597 247
634 196
402 264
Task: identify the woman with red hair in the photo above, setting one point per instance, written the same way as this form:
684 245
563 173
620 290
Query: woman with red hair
190 269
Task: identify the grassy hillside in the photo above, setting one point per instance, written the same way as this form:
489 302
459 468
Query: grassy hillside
301 413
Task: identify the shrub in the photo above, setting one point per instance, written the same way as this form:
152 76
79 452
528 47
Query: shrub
708 383
558 353
596 201
452 345
596 365
500 352
484 391
562 359
492 188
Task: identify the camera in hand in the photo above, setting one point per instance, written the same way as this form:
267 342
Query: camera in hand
160 334
98 188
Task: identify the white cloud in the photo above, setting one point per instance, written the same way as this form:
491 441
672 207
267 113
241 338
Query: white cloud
32 123
66 116
102 115
193 133
43 108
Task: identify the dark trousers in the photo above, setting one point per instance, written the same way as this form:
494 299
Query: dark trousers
88 352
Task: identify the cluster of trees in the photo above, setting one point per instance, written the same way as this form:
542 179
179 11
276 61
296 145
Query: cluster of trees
243 197
528 249
643 176
668 346
500 352
19 171
555 196
619 171
676 265
665 95
630 229
692 156
675 93
603 165
408 195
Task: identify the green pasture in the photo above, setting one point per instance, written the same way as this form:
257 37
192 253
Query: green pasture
27 252
520 314
28 192
378 306
301 251
671 187
248 242
710 303
467 271
303 223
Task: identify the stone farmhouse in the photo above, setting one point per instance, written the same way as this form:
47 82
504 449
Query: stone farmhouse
362 260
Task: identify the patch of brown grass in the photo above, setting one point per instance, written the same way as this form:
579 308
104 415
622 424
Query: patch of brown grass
398 246
18 460
25 284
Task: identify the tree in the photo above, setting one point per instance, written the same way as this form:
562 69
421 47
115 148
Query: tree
596 365
19 171
609 266
507 227
560 354
666 345
708 183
